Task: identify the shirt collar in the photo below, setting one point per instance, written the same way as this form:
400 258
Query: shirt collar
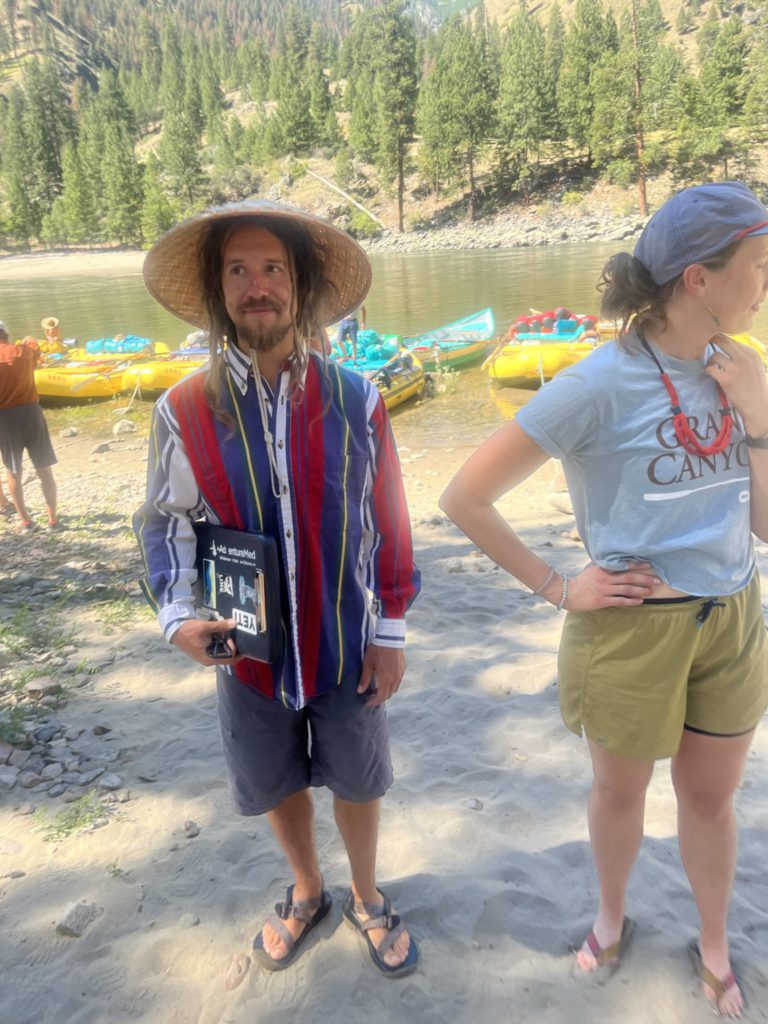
240 366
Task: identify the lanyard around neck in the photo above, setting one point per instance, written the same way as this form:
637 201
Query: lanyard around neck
683 430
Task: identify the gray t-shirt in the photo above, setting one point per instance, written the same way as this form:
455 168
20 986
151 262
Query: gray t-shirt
637 493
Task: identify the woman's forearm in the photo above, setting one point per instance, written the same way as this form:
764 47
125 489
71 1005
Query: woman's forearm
484 525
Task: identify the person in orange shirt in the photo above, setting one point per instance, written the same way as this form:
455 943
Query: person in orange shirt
23 428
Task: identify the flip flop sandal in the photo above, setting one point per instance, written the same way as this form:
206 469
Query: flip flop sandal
380 916
608 959
311 912
718 985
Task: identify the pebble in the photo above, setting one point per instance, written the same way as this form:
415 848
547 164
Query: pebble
110 782
191 829
189 921
123 427
474 804
46 733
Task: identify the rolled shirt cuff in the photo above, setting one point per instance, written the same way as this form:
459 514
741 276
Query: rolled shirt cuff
390 633
174 615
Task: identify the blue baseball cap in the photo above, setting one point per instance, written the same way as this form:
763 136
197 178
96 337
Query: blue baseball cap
697 223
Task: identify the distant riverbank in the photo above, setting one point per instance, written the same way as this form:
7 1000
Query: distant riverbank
523 227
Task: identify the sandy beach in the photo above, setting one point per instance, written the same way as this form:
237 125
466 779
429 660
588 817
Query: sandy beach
484 843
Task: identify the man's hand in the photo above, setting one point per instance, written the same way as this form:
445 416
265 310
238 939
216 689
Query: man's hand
194 635
383 667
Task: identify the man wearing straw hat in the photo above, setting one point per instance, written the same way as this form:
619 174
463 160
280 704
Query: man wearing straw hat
53 339
273 438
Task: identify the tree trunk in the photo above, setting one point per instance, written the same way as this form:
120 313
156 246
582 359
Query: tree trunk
639 134
471 166
400 183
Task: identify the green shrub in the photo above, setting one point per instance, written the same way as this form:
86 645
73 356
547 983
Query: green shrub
363 226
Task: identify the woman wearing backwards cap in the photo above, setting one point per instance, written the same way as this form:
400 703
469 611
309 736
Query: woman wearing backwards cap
664 439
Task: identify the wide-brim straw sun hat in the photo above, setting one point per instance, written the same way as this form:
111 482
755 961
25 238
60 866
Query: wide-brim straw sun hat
49 323
173 264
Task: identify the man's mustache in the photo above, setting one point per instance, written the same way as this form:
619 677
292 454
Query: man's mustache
257 307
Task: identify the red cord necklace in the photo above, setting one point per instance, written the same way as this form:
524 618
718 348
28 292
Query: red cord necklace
683 430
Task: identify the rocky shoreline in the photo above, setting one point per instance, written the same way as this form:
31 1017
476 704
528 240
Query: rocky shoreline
525 227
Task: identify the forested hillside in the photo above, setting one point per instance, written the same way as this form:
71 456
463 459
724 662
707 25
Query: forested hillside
118 117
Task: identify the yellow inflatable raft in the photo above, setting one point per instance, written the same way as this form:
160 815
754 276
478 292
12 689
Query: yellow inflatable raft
523 365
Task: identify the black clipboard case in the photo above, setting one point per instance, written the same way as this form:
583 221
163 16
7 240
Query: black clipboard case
239 579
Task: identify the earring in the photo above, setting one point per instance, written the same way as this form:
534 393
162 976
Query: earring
712 314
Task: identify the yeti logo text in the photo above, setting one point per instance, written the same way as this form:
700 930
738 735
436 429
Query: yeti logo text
246 621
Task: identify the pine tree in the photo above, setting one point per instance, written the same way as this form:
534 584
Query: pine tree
181 161
172 75
588 39
459 102
684 21
158 214
554 49
723 73
211 98
756 100
122 197
395 95
74 213
324 127
25 211
708 33
525 113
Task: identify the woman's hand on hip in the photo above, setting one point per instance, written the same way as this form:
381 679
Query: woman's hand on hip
596 588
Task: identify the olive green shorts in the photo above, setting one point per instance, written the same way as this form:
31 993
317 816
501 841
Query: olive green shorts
633 678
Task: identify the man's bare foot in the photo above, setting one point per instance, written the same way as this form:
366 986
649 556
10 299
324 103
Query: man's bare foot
398 952
274 945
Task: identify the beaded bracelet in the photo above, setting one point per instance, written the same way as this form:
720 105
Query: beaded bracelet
547 581
564 596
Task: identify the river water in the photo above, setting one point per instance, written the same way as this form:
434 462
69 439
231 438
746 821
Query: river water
411 292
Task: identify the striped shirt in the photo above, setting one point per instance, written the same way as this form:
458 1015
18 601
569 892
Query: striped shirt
341 521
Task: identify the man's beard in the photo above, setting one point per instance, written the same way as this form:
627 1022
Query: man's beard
262 338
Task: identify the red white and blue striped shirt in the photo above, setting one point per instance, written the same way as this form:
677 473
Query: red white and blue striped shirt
341 521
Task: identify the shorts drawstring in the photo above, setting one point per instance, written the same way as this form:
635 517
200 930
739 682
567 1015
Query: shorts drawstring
706 610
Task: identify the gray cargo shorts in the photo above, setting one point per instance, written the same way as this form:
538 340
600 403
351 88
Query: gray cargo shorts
272 752
24 427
